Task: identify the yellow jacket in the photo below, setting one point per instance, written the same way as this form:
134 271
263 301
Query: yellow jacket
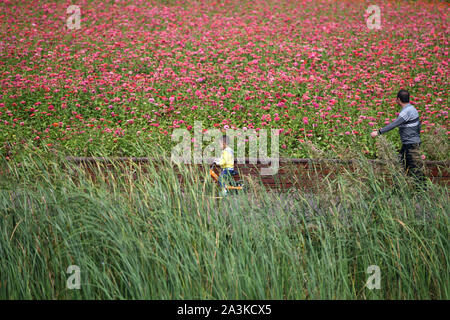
227 159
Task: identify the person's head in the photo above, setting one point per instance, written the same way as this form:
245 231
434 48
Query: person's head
402 97
225 141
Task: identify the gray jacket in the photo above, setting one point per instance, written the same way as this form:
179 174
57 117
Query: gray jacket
408 122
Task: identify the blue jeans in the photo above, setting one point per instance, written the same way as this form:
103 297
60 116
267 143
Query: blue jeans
226 174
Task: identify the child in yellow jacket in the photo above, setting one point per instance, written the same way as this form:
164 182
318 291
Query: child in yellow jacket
226 162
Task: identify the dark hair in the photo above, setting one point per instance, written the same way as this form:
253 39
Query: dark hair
225 139
403 95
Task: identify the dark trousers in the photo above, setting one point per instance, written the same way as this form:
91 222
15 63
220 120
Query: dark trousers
410 158
226 176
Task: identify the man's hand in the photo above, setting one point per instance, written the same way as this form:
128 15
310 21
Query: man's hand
374 133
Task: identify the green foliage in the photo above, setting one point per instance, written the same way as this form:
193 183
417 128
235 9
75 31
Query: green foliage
151 238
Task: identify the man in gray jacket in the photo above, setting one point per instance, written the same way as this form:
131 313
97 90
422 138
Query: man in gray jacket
408 122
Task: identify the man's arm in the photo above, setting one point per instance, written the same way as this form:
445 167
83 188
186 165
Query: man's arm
392 125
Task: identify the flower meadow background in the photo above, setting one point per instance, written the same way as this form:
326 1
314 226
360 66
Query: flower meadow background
136 70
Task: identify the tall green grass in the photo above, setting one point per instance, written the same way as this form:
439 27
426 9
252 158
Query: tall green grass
150 238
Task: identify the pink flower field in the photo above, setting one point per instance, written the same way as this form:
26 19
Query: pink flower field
136 70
